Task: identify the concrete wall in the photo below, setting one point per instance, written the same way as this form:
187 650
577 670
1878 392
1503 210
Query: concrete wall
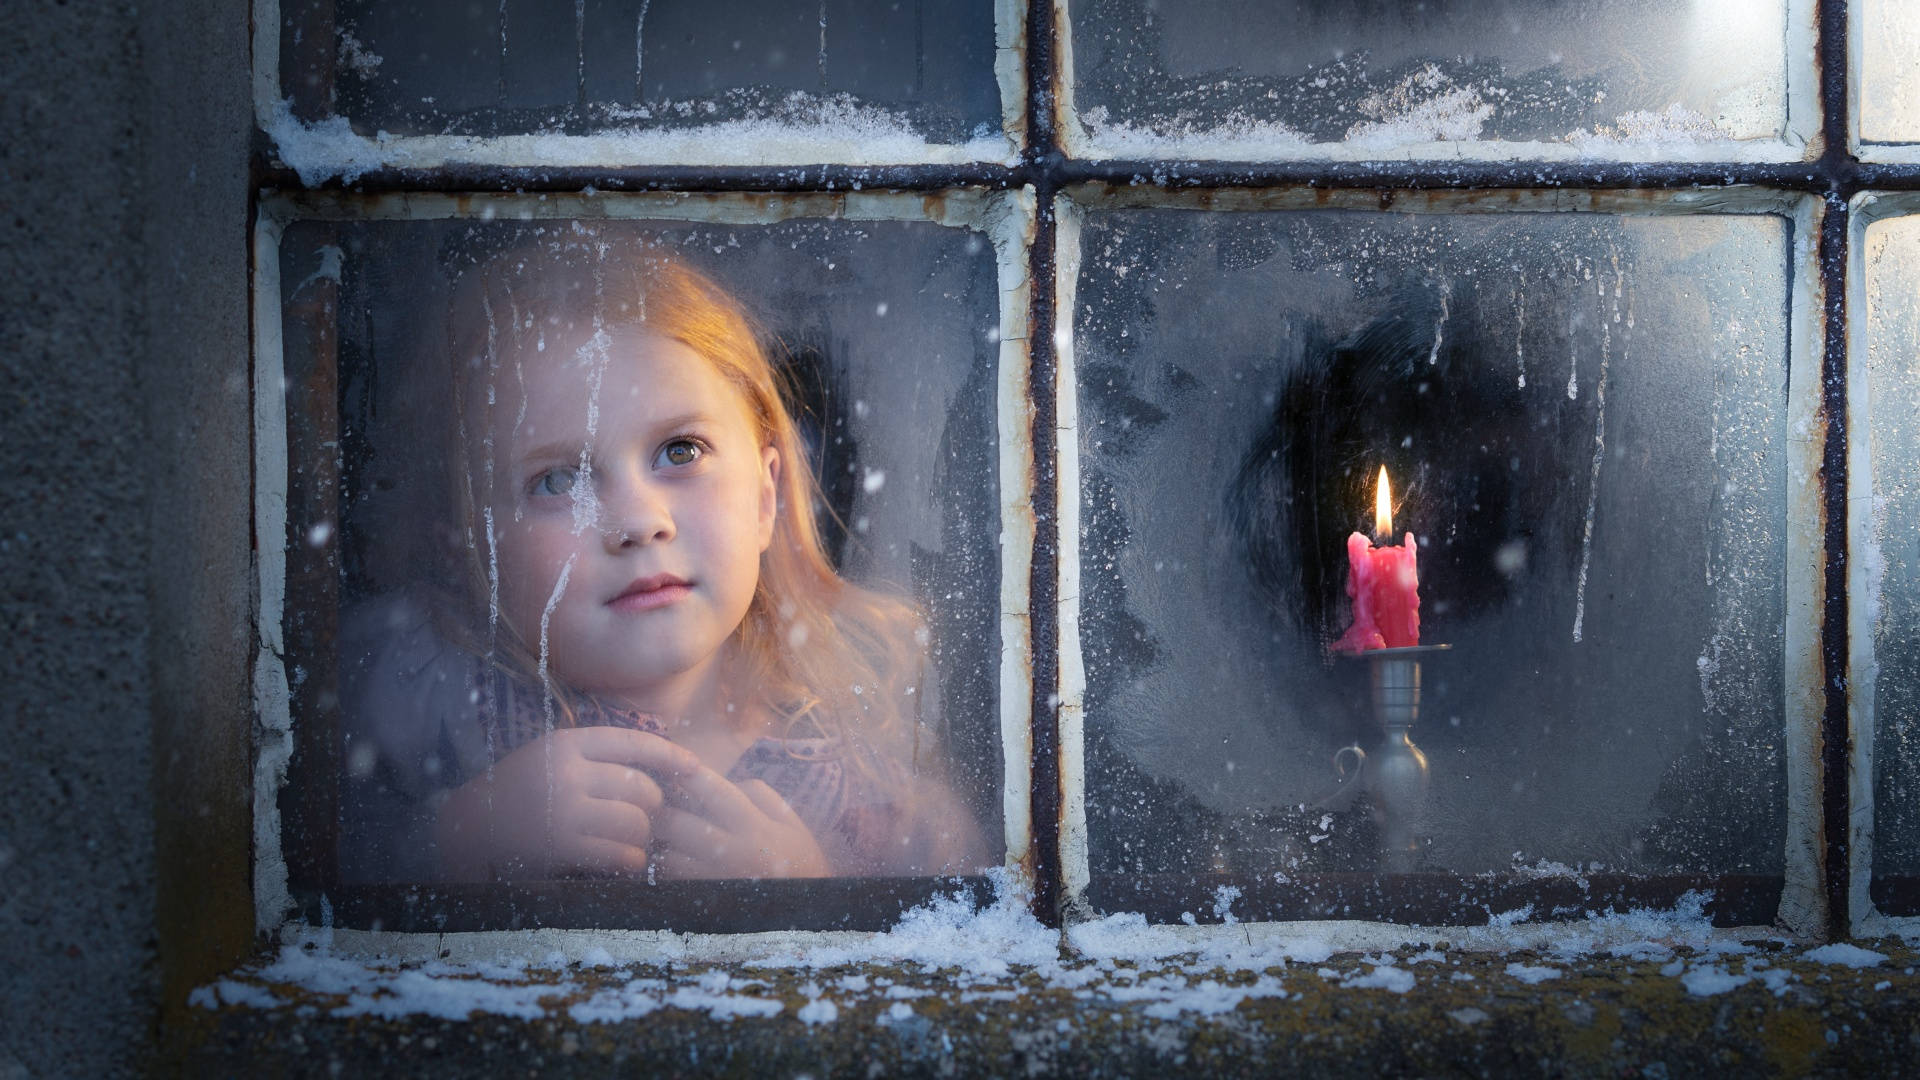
195 386
76 850
123 320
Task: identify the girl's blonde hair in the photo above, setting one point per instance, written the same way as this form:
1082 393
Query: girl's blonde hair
833 657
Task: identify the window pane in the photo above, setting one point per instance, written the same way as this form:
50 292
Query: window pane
425 67
1892 602
552 501
1583 419
1248 78
1889 35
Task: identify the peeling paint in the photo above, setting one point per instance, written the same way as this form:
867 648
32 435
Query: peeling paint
272 697
1012 237
1013 232
1074 864
1010 67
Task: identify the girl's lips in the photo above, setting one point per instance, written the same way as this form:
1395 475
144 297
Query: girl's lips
647 594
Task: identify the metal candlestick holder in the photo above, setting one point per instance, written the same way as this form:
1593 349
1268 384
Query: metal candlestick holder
1396 771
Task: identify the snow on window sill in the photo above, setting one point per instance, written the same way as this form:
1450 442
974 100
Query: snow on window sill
845 134
964 953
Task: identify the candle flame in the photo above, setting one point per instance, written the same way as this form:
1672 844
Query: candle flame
1383 507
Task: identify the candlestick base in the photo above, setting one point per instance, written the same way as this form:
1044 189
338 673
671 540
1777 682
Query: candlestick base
1396 773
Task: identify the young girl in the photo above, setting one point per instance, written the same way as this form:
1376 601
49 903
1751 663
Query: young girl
639 660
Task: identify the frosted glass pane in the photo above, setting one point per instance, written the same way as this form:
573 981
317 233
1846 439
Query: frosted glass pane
525 66
1889 74
1893 560
1583 419
450 585
1378 74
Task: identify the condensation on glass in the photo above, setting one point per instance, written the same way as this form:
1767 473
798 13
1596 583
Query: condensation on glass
1584 421
1248 77
433 67
1892 555
1887 78
401 563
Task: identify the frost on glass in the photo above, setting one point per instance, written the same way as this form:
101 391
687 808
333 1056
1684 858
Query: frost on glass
1583 418
1227 76
1893 557
422 67
433 481
1888 32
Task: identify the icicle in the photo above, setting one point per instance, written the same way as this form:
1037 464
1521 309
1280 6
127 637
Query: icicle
1439 330
1520 339
823 44
546 617
640 52
1593 482
503 52
580 52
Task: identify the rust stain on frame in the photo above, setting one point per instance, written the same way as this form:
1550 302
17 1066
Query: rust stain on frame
1099 195
970 208
1069 136
1010 69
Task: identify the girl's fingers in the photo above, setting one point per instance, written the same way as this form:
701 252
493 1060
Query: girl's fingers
621 822
624 783
596 853
717 799
768 800
637 749
678 830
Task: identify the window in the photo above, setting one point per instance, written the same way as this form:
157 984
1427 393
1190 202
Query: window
1105 318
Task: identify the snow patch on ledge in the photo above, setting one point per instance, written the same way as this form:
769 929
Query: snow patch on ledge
1415 122
1238 136
1673 132
807 131
967 952
1846 955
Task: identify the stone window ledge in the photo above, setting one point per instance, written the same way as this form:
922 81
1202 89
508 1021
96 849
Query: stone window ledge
1763 1006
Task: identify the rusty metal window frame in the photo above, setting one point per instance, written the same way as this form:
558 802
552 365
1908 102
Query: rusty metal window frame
1832 179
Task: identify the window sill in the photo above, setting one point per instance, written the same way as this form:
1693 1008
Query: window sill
1484 1012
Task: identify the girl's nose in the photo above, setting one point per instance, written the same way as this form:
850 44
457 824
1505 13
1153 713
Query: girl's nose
635 517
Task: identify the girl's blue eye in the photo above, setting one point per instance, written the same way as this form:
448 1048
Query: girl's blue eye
558 481
681 452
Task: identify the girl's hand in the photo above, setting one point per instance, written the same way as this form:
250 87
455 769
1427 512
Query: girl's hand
715 828
575 801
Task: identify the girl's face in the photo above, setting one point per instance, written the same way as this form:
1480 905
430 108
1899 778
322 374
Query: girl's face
633 499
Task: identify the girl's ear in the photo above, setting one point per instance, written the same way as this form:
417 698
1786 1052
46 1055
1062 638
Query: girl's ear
769 493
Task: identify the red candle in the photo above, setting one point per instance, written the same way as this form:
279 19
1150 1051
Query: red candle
1384 585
